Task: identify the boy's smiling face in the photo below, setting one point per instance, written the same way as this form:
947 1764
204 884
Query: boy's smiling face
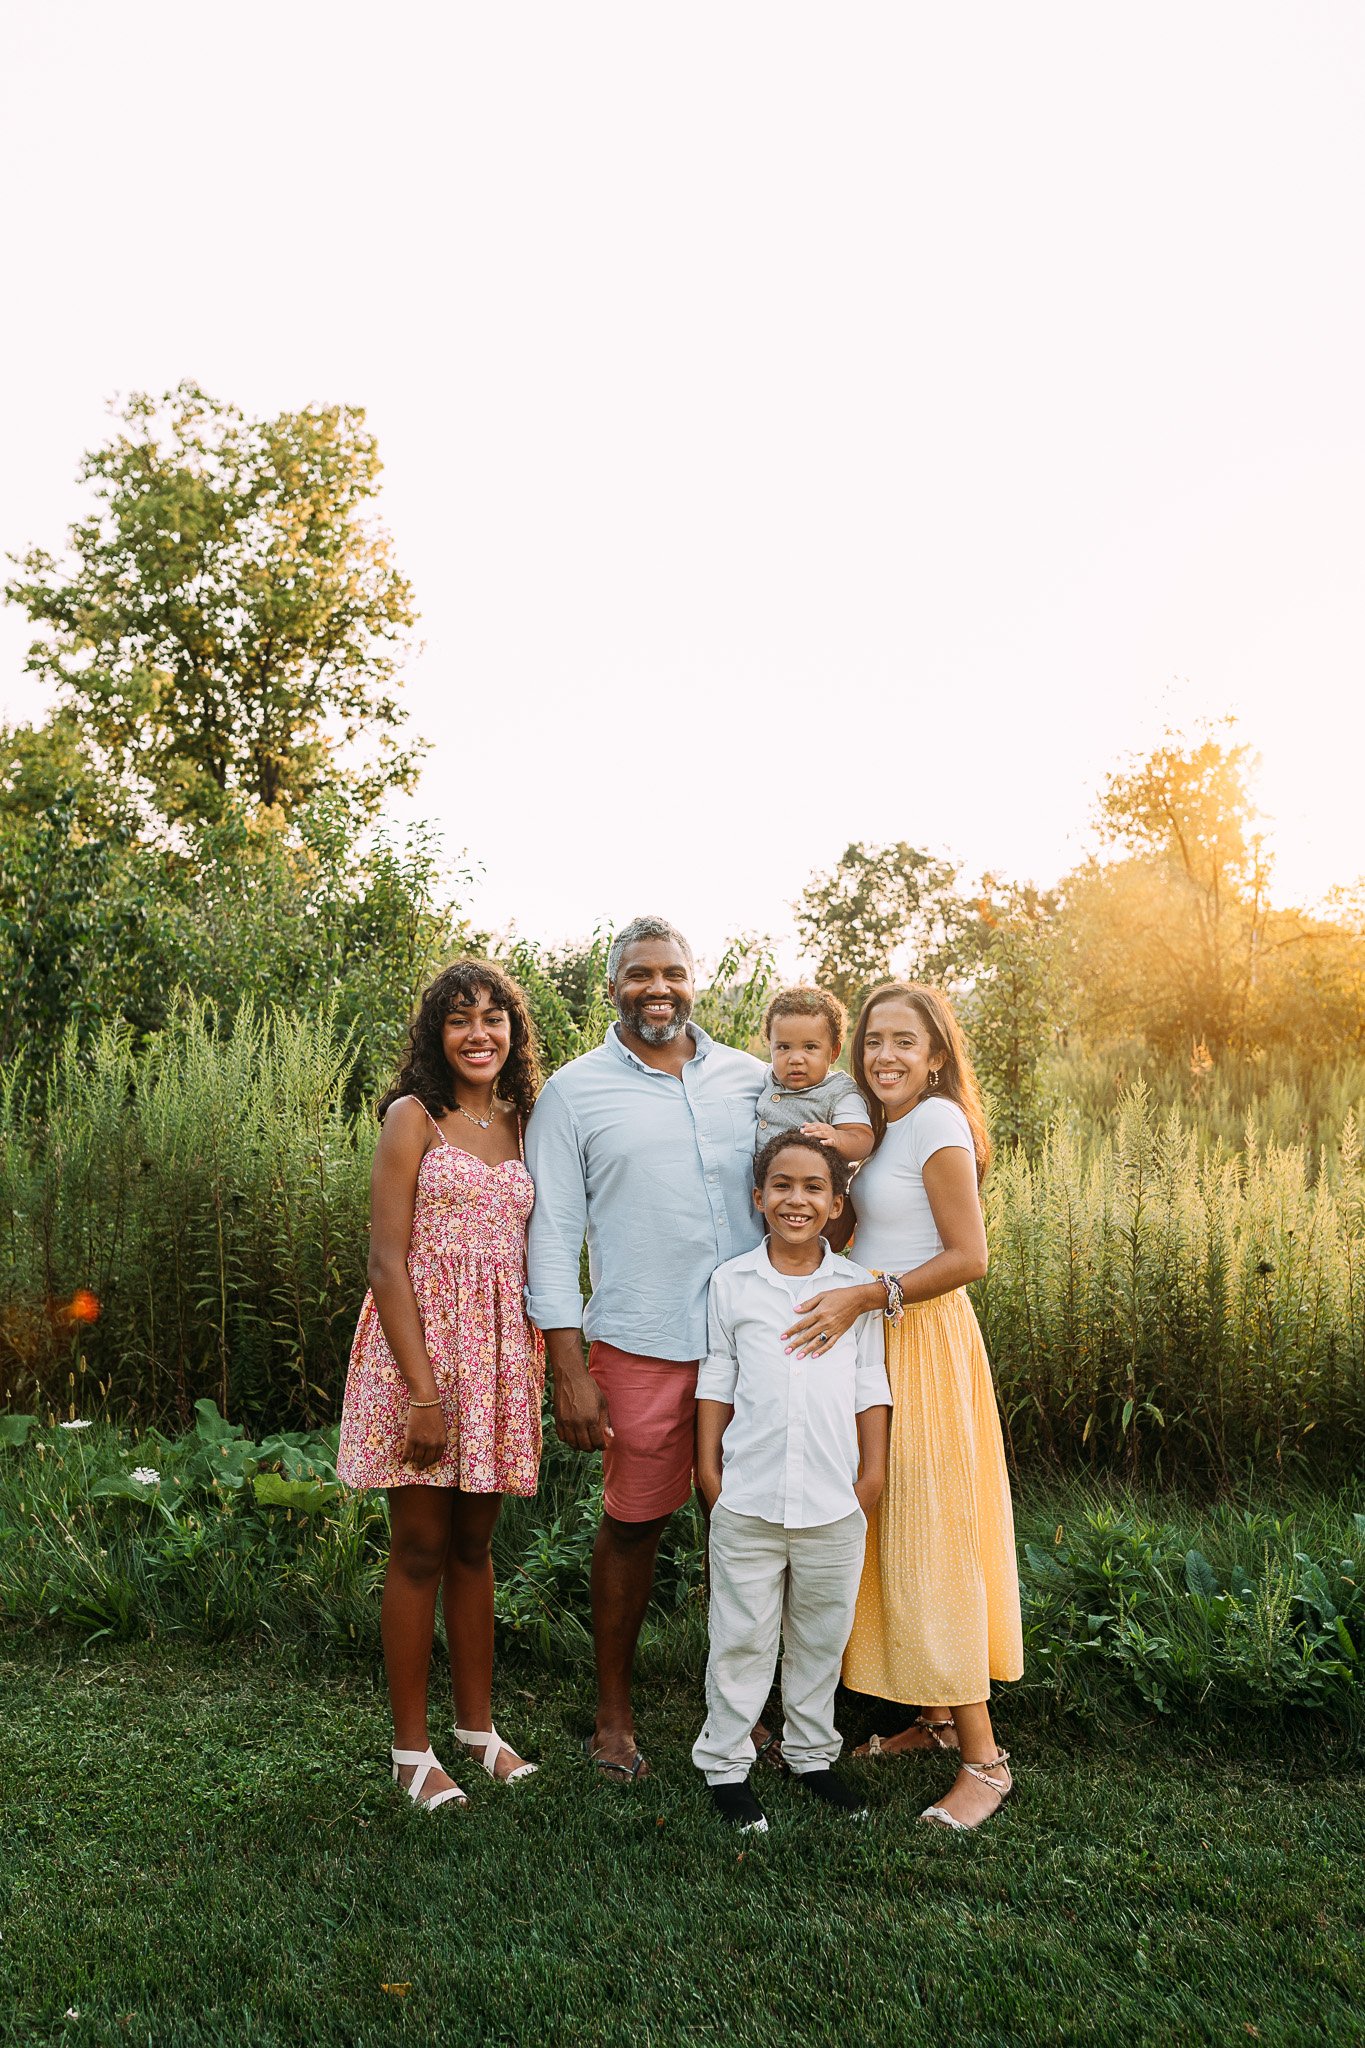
802 1053
798 1197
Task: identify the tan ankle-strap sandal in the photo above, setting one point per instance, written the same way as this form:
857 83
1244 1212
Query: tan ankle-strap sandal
938 1816
877 1748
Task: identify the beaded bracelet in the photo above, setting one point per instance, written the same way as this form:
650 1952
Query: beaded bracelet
424 1404
895 1300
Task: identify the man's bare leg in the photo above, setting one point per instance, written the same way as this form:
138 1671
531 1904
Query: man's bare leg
622 1580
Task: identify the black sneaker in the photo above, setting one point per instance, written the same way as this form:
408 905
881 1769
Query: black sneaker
833 1791
737 1806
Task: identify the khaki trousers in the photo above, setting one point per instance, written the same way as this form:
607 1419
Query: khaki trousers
766 1581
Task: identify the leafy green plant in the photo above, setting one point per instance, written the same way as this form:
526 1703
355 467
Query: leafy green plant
1249 1608
1244 1621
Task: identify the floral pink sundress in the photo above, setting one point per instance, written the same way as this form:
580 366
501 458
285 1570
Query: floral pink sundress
467 1260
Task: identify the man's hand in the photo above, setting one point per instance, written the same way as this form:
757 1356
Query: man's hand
581 1417
708 1484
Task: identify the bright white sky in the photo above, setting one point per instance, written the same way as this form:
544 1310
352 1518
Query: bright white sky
913 407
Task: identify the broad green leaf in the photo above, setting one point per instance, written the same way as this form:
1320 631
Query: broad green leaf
299 1494
1199 1574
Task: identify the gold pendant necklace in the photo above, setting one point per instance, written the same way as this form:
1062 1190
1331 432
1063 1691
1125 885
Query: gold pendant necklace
483 1122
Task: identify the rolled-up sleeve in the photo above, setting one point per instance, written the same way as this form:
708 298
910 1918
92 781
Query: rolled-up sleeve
554 1242
872 1388
719 1373
851 1109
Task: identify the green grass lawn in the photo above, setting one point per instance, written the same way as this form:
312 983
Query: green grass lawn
201 1846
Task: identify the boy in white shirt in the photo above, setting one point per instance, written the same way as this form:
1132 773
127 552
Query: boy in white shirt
791 1455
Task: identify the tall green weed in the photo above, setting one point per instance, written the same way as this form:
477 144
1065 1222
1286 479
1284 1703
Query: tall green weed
1155 1303
1281 1099
186 1218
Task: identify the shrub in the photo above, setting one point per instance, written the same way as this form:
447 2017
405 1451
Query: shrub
1247 1609
214 1534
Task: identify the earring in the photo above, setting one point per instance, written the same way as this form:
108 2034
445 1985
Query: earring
933 1077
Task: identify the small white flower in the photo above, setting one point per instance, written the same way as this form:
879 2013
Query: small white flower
73 1425
73 2012
145 1476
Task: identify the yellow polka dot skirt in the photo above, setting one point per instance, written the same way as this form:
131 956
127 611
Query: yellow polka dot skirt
938 1607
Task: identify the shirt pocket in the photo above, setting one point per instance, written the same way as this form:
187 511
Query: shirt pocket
744 1125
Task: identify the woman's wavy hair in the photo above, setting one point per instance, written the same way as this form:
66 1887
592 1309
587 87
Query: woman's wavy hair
425 1071
956 1077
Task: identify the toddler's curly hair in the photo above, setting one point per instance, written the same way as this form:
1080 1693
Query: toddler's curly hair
805 1000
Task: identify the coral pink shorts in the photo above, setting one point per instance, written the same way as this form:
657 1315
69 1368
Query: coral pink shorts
652 1405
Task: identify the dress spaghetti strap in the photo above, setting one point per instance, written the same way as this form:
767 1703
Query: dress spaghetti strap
427 1114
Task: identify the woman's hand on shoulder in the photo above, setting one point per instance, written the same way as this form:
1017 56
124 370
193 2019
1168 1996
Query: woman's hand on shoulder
825 1317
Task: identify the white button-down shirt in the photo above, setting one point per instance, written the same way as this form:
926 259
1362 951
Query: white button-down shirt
790 1452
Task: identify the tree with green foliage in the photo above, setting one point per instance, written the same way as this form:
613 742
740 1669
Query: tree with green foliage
228 621
1185 812
1175 942
885 909
1011 1012
69 923
102 918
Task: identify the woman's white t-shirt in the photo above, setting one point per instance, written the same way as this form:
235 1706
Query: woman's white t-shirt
896 1229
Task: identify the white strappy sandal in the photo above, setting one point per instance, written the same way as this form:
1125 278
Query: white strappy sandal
425 1762
939 1815
493 1747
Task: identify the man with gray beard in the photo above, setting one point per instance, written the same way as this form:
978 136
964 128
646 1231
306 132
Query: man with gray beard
645 1146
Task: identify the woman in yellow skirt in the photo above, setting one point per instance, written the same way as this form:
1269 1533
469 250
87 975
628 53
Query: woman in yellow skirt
938 1607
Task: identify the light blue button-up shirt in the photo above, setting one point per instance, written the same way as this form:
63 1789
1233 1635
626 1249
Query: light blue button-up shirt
657 1172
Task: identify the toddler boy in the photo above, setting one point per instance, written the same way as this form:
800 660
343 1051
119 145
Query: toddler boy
803 1090
791 1455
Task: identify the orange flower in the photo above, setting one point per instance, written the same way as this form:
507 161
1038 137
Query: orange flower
83 1307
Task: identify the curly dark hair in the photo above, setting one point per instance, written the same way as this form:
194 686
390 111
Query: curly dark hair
425 1071
763 1159
807 1001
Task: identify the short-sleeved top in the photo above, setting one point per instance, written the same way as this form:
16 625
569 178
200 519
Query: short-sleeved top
835 1100
896 1229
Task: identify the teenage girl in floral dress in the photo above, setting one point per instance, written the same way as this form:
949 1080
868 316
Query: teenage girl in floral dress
442 1403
